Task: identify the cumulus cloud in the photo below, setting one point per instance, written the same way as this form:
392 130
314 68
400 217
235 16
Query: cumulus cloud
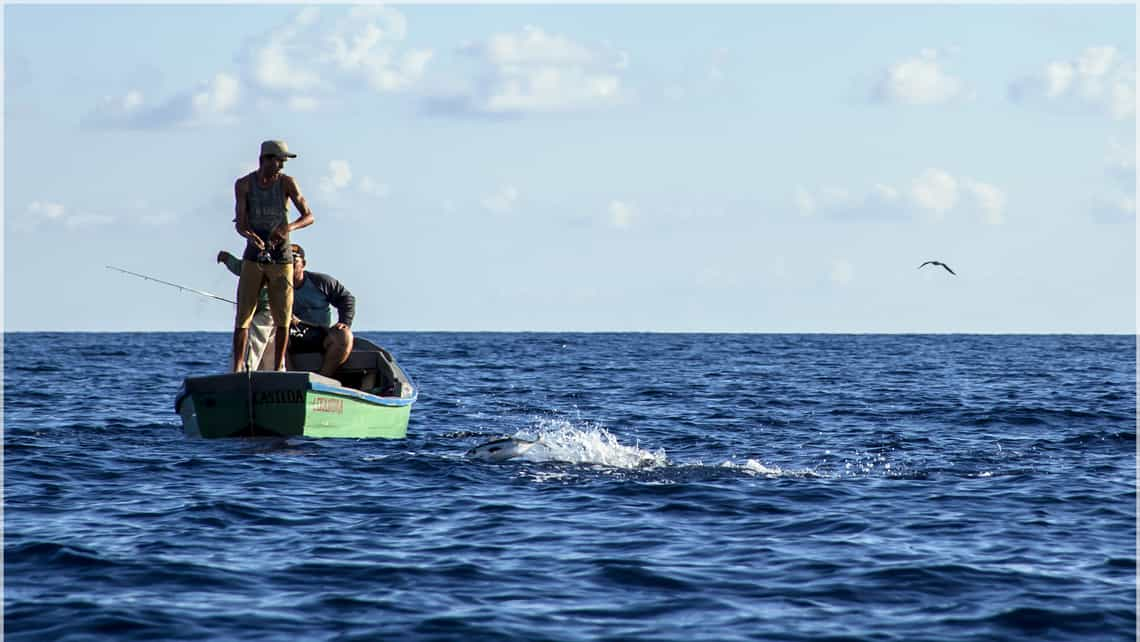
502 201
1116 207
533 71
879 202
340 179
933 194
842 271
1118 201
339 176
160 217
212 102
372 187
1099 78
309 58
88 219
936 191
922 80
1121 162
621 214
989 200
53 213
303 103
46 210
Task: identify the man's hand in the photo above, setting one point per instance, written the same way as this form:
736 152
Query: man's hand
280 235
340 326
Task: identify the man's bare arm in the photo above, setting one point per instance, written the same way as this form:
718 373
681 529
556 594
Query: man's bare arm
293 191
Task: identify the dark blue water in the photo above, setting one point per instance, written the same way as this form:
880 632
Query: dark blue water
689 487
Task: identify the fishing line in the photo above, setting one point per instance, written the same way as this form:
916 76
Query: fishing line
173 285
247 357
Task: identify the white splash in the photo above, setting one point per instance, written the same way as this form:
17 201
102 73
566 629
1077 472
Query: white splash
755 468
560 441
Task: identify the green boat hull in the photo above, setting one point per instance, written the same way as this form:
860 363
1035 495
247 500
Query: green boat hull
288 404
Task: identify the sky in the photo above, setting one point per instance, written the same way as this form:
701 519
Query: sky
733 168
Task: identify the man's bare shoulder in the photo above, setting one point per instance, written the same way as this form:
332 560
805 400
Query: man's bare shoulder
290 184
242 183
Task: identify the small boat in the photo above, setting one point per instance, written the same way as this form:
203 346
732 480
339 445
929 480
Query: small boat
370 396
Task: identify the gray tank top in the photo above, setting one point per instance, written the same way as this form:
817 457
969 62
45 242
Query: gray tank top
267 209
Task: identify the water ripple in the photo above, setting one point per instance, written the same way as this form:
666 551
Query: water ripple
698 487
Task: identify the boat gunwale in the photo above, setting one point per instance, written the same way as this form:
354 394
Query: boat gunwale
324 388
345 391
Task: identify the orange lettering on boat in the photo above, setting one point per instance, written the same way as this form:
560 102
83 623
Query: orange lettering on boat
322 404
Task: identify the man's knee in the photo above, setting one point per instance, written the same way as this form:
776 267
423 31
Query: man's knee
338 337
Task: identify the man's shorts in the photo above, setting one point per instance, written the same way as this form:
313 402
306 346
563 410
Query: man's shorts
278 277
307 338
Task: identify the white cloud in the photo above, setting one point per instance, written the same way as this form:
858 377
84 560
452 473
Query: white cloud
303 103
534 71
842 271
1121 162
988 199
50 212
880 202
1118 201
805 202
532 46
161 217
217 97
502 201
212 102
936 191
88 219
918 81
934 194
1098 78
1125 205
372 187
308 58
46 209
339 176
301 65
622 215
1117 208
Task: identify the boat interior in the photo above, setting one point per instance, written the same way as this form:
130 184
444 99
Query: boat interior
369 368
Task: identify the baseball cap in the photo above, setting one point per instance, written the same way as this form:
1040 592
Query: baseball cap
276 148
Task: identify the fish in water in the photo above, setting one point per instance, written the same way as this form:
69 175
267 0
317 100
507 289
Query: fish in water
938 263
501 449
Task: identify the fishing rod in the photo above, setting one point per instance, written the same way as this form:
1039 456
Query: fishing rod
180 287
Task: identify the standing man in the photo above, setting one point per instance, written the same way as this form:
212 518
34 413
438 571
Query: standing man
261 331
262 206
315 295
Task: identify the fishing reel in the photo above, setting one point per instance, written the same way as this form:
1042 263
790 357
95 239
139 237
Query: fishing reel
264 256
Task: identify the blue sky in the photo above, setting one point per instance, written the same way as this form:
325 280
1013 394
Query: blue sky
747 168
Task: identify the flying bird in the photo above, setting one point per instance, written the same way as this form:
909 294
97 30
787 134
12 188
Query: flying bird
926 263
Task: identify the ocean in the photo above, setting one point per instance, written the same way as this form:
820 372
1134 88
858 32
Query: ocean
686 487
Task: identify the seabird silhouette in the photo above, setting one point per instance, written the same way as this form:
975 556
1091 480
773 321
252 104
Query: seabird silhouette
926 263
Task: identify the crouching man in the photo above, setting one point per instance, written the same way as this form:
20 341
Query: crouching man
312 330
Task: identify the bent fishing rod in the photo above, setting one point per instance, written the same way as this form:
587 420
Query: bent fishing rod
175 285
189 289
